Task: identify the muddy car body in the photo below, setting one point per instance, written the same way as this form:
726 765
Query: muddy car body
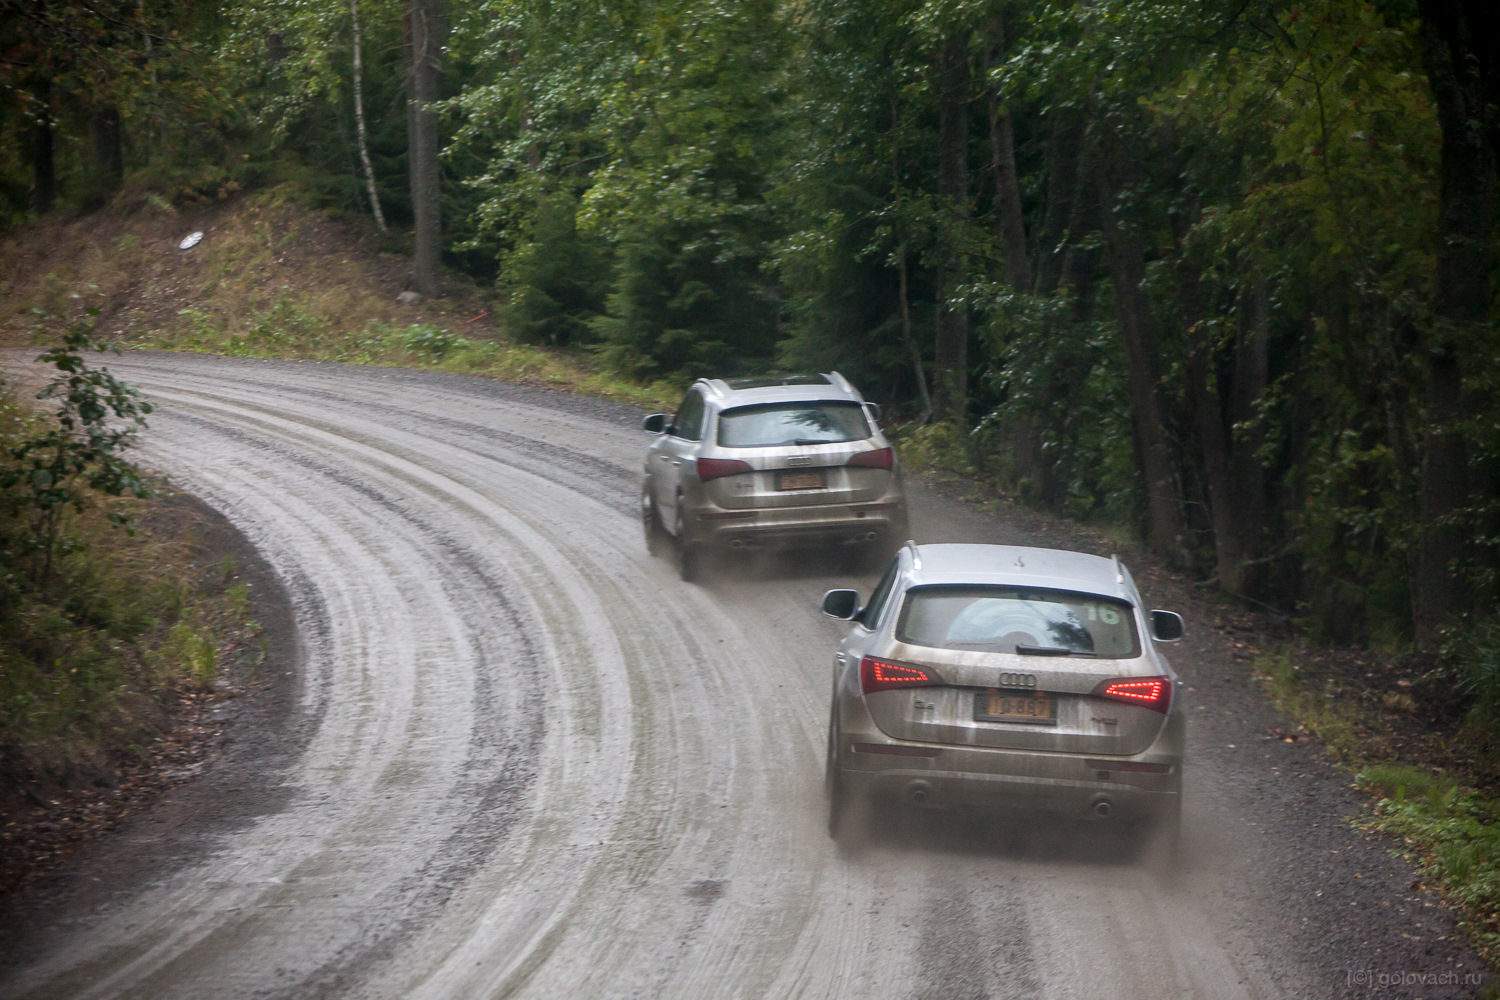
1008 678
771 463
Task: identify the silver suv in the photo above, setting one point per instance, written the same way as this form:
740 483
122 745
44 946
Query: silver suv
771 462
1005 677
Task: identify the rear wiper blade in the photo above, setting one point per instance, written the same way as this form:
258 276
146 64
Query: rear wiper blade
1050 651
810 441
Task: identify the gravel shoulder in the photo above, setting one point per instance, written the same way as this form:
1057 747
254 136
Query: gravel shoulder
178 807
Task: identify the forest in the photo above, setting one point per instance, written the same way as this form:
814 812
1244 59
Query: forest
1219 271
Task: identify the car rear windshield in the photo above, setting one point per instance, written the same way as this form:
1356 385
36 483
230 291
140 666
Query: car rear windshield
1018 620
769 424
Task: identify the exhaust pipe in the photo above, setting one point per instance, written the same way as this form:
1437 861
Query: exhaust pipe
919 792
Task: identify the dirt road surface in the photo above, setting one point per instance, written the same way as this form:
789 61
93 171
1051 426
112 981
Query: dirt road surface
523 759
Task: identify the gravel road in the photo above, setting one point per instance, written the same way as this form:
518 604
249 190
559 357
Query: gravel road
522 759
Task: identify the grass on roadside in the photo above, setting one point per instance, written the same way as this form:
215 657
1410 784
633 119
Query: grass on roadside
94 653
88 664
289 328
1454 835
1451 832
1329 712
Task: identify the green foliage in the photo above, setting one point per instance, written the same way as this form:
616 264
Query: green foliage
85 647
1455 833
670 106
931 446
54 464
293 66
145 67
558 280
1471 658
194 648
1323 710
1058 430
683 188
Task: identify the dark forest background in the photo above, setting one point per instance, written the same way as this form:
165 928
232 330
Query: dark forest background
1219 270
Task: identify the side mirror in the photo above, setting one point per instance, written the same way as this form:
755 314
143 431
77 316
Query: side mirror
841 604
875 411
1166 626
654 424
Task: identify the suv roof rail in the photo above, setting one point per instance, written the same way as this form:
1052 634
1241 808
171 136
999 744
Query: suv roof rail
837 379
916 557
1119 569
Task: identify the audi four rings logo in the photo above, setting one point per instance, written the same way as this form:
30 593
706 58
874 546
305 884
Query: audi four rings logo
1018 680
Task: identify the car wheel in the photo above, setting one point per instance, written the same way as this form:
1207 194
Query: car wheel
1171 824
837 793
689 556
651 523
1163 843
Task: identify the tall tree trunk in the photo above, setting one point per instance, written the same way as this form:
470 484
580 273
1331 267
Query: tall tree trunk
424 33
1064 147
911 343
1234 477
1081 257
1249 481
359 120
109 155
1008 215
158 105
901 271
1069 212
43 167
951 341
1133 316
1457 60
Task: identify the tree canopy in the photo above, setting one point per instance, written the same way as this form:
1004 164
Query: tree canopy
1219 270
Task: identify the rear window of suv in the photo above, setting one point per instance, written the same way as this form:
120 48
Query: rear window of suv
1018 619
767 424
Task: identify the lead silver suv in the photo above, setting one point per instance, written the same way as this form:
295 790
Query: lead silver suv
1003 677
771 462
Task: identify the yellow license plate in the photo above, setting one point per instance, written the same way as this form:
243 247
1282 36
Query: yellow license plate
1016 706
799 480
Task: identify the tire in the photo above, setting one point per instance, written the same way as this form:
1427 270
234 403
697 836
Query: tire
840 806
689 554
1161 845
1169 829
651 523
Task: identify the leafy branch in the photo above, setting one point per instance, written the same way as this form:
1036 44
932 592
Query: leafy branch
77 451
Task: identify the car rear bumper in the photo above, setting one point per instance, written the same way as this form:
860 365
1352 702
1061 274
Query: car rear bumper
882 520
1084 796
1140 787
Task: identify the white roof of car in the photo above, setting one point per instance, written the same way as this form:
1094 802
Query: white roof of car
775 389
1055 569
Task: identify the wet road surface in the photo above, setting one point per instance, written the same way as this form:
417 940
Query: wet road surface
536 764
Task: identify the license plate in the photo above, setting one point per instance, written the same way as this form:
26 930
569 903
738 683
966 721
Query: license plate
1015 706
799 480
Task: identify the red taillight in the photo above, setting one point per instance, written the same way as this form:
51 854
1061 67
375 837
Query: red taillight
1154 693
880 675
713 468
880 458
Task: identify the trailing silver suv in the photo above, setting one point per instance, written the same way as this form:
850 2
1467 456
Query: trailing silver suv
771 462
1002 677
